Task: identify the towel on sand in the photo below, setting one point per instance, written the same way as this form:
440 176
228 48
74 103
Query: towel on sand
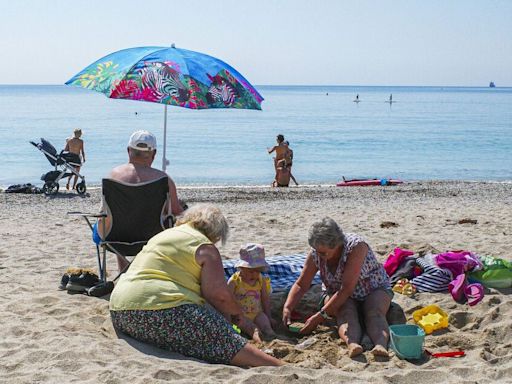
283 270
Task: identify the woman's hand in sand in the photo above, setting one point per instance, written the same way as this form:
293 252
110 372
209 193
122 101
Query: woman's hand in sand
287 317
311 324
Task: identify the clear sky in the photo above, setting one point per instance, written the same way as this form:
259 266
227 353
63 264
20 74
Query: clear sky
287 42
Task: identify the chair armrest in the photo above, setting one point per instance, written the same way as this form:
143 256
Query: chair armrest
85 214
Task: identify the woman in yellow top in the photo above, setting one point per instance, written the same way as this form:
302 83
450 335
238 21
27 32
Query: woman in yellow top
161 298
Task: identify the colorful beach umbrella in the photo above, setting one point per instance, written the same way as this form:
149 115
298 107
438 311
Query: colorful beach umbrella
170 76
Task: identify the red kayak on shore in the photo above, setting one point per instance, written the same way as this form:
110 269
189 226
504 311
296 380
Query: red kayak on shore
365 182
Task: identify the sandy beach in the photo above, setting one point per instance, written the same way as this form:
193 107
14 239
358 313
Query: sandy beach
50 336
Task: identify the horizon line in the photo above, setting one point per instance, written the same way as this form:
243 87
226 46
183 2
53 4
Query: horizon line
307 85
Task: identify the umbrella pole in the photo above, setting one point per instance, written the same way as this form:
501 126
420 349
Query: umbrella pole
164 159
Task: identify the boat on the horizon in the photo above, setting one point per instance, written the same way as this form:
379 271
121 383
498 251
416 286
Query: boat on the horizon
492 85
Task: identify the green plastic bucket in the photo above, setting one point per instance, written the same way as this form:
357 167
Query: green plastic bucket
407 340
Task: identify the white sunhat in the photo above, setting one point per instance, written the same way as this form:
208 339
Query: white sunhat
142 141
252 256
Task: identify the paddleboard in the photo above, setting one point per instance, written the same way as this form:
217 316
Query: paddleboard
368 182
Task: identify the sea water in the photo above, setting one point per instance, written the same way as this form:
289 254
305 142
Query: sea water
426 133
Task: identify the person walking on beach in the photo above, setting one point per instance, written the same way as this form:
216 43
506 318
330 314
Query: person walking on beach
357 287
141 153
75 145
174 294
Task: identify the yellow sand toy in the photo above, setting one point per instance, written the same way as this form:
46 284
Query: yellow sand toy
431 318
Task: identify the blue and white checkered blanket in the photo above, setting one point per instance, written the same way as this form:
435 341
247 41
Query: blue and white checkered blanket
283 271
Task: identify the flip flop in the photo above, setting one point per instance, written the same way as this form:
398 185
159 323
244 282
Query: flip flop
457 287
474 293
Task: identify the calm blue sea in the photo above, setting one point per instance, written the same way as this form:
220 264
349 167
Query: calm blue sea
427 133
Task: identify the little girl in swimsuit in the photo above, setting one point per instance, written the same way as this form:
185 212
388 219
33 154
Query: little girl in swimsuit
252 292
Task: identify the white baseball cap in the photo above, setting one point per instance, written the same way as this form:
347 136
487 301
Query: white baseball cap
142 141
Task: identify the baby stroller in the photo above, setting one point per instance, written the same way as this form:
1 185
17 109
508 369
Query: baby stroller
64 163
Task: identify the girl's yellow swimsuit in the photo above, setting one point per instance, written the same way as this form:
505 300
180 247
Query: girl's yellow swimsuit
249 296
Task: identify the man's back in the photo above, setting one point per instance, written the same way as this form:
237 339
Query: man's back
135 173
74 145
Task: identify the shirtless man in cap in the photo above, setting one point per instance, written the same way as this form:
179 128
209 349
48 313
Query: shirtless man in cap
141 153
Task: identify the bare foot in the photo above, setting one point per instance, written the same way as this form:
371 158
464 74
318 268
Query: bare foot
67 187
379 350
354 350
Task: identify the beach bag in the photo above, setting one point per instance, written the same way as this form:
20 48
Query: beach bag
23 188
496 273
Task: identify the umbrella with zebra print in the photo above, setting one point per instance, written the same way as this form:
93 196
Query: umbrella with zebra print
170 76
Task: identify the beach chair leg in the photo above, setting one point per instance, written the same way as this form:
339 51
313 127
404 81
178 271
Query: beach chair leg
100 268
102 271
104 266
112 249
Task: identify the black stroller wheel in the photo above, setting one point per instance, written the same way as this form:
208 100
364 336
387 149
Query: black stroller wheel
50 188
80 188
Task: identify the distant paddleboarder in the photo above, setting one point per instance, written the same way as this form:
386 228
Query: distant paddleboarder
357 99
390 98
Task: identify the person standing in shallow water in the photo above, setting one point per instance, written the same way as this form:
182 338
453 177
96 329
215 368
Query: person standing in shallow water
357 287
75 145
288 160
281 150
284 168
